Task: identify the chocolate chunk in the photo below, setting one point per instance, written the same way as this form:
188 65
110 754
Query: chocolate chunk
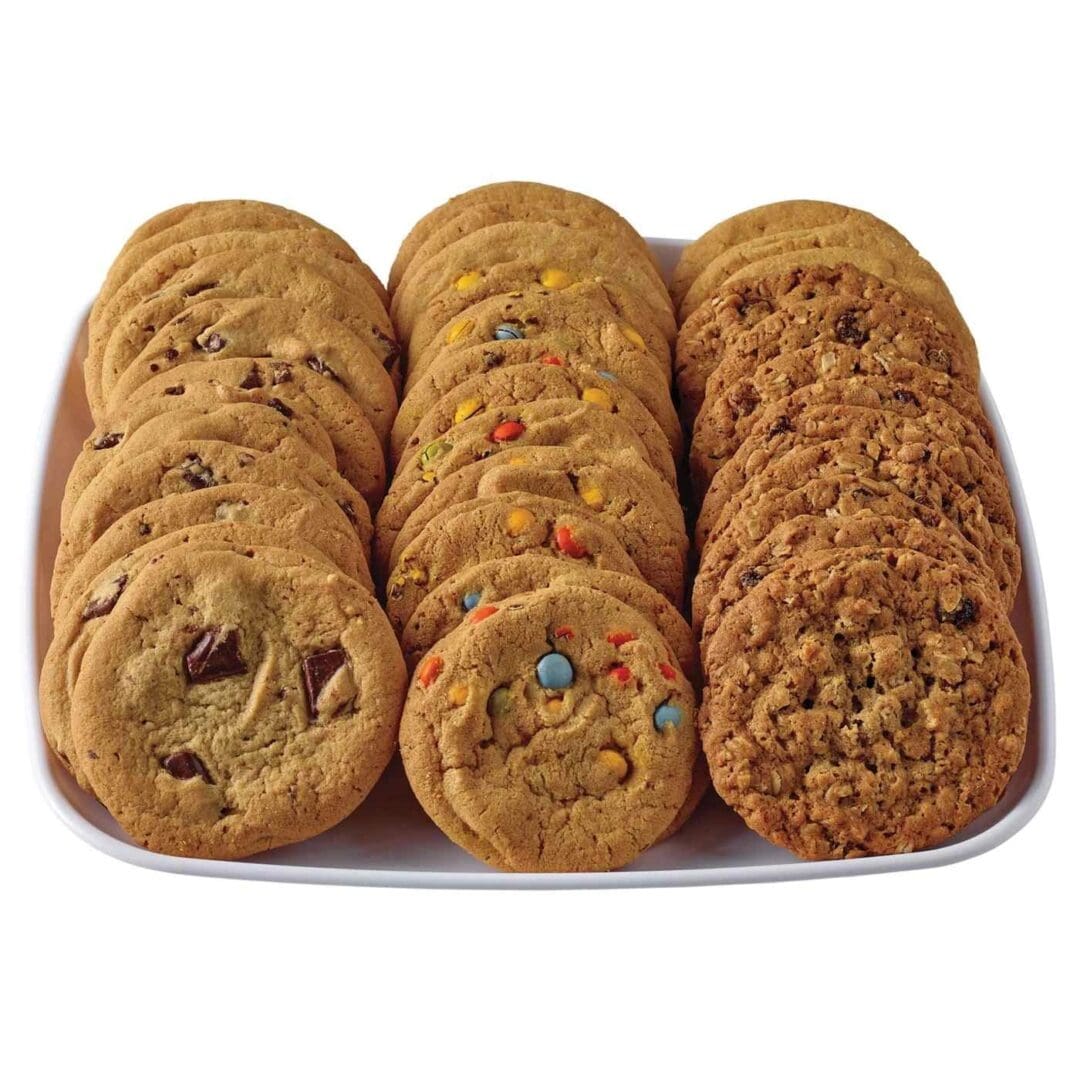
171 354
321 367
492 359
749 579
102 602
215 654
964 615
350 513
174 391
107 442
280 373
279 406
196 473
184 765
144 529
390 346
252 380
906 397
849 329
781 426
319 669
214 343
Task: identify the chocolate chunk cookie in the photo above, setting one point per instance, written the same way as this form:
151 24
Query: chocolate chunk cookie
550 735
865 702
229 705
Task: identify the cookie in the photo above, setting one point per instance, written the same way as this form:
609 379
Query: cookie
497 527
187 466
307 516
809 534
230 705
295 391
525 383
552 255
258 426
556 422
309 282
89 610
820 472
803 410
517 193
549 736
619 495
737 392
867 702
478 586
815 307
268 328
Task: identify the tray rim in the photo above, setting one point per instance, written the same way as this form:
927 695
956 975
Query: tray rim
1043 718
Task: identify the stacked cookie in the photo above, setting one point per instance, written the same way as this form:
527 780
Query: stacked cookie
221 676
532 541
866 693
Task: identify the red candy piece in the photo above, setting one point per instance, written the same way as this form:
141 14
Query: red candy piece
620 673
620 637
563 632
429 671
555 361
668 672
481 613
565 542
507 431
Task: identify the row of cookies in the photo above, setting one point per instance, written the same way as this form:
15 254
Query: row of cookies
532 542
221 675
865 690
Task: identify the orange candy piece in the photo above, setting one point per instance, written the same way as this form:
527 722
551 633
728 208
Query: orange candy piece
668 672
555 361
481 613
429 670
564 632
620 637
565 542
620 673
507 431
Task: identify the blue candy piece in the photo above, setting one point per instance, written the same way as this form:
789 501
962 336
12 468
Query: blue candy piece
470 600
609 375
667 715
554 671
508 332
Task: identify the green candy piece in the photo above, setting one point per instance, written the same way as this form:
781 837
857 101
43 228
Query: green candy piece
433 451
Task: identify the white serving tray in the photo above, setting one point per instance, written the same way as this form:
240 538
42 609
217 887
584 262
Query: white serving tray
390 841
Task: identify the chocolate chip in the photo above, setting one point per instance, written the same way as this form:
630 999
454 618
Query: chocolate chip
184 765
144 529
906 397
215 654
492 359
781 426
174 391
319 668
321 367
808 703
252 380
102 603
214 343
280 373
962 616
849 329
749 579
196 473
171 354
107 442
350 513
391 348
278 405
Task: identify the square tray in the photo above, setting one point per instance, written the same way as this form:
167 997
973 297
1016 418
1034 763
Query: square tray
389 841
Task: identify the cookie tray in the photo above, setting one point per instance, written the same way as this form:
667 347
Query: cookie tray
390 842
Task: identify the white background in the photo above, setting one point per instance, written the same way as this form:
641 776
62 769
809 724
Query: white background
958 127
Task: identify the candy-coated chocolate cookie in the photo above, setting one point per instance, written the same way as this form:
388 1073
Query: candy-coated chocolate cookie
742 387
271 329
497 527
819 471
150 300
864 702
229 705
526 383
512 193
446 606
620 495
814 307
187 466
549 735
253 424
553 254
305 516
88 612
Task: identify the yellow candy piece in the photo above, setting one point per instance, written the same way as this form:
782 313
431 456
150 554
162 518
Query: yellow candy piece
595 396
468 280
458 694
427 476
462 326
614 762
418 576
632 335
554 279
518 520
554 704
518 461
469 407
592 496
